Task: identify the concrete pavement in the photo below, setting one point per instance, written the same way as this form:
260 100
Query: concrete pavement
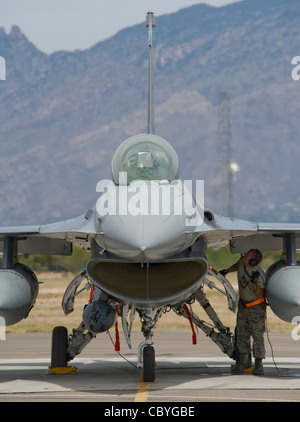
184 372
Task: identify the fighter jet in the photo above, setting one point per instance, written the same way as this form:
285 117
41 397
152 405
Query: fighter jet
148 236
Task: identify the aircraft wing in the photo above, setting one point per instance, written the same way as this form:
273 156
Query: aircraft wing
244 235
269 237
55 238
219 230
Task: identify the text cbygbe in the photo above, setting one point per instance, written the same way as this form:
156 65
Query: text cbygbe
171 411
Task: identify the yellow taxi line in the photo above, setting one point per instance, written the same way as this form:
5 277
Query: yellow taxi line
142 389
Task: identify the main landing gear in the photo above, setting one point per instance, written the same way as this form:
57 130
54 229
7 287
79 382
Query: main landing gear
59 352
65 348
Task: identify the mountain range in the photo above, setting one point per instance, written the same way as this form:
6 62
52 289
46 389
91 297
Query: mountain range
223 94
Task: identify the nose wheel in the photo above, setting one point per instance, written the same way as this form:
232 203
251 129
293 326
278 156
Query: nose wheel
148 364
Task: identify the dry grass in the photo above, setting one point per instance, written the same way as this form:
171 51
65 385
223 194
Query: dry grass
48 313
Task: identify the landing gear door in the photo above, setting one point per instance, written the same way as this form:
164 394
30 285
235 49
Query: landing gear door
67 303
229 290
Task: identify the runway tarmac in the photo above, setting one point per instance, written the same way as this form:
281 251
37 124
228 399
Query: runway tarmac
185 373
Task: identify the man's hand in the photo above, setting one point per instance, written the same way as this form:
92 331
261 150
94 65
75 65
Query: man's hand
260 293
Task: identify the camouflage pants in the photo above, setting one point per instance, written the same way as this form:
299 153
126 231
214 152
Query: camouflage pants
250 322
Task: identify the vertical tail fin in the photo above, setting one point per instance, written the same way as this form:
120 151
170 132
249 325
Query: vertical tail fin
150 23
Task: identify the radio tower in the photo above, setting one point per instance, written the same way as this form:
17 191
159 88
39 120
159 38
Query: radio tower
227 169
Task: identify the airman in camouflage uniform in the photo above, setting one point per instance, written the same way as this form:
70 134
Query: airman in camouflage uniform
251 311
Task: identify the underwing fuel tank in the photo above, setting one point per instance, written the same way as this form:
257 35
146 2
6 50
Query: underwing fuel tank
18 292
283 290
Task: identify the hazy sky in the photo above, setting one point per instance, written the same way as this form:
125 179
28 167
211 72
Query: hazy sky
78 24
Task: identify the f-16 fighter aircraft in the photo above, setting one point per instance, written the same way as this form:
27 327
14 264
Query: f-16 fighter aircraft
148 235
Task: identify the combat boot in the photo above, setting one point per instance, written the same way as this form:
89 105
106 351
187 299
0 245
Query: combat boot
258 369
242 364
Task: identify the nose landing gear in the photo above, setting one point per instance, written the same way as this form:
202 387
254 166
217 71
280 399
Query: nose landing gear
146 352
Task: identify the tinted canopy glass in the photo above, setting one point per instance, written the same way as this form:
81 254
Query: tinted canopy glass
145 157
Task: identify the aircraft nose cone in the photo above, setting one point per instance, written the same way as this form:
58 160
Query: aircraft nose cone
149 220
147 237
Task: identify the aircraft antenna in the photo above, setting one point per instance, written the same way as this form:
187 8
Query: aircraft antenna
150 23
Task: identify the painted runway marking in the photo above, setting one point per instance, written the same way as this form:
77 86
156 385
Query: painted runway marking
143 389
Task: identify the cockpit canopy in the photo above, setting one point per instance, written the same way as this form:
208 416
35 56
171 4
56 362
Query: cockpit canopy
145 157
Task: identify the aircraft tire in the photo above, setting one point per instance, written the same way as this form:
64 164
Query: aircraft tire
148 364
59 352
